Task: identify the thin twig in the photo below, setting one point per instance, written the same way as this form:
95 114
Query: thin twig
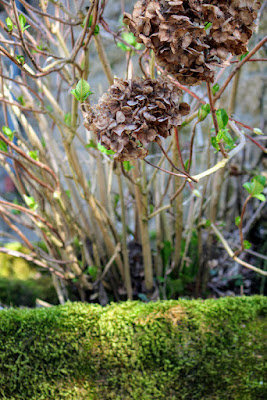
239 65
171 162
168 172
232 255
44 14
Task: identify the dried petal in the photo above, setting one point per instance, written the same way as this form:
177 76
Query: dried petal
175 30
140 118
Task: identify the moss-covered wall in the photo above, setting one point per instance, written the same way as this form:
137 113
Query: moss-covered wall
171 350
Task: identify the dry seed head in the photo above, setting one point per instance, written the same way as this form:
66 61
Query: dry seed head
134 113
176 31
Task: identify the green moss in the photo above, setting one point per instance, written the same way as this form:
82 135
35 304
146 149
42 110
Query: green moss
173 350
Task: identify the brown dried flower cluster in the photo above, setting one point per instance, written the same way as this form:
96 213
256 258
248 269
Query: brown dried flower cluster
190 37
134 113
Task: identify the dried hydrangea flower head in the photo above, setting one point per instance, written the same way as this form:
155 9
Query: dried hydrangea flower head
190 37
134 113
232 25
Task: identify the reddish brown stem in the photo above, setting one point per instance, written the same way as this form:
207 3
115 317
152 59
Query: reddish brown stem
23 108
251 59
27 171
239 65
17 230
31 160
24 45
182 86
23 84
164 170
171 162
256 143
44 14
33 214
178 191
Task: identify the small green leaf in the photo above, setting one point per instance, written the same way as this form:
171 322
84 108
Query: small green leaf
208 223
215 88
82 90
92 271
9 24
203 112
8 132
260 197
67 119
127 166
247 244
68 193
151 208
14 211
237 220
225 135
259 178
219 136
257 131
82 87
123 46
30 202
208 25
256 186
21 100
222 118
20 59
214 143
248 187
96 30
3 146
34 155
75 94
131 40
186 163
104 150
22 21
243 56
91 145
160 279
